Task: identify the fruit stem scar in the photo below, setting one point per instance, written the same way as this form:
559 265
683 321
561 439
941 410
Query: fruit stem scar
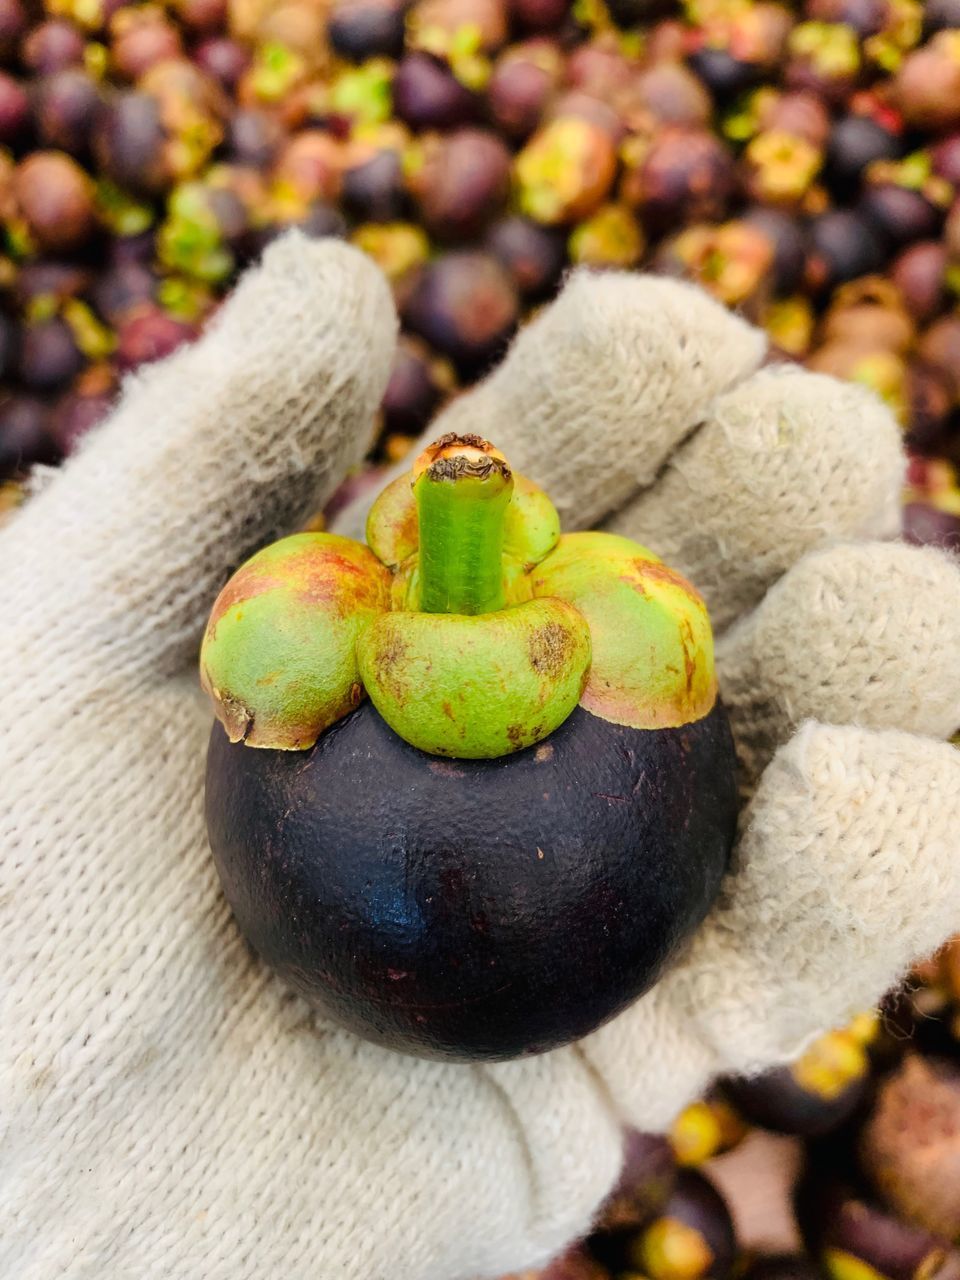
462 486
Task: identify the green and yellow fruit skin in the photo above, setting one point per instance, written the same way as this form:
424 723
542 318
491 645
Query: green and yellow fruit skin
441 619
279 657
494 790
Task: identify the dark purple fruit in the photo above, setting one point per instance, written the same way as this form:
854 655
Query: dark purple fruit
535 256
951 231
461 183
427 95
647 1178
374 190
692 1236
843 246
130 144
13 22
254 137
148 334
845 1232
855 143
783 1266
14 110
919 272
55 197
686 175
899 214
65 109
24 437
223 58
928 526
946 159
51 280
522 82
929 402
362 29
119 290
539 15
474 972
131 248
630 13
724 75
414 392
939 15
575 1264
53 46
48 356
789 241
321 220
464 304
810 1098
8 343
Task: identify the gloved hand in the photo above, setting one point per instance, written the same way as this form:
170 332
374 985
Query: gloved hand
168 1108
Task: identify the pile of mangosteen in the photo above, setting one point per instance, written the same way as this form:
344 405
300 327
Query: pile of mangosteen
868 1123
794 157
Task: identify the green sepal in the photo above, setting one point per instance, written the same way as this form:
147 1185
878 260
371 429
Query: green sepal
653 665
476 686
279 655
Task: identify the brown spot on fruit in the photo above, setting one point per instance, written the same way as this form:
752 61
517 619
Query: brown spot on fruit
549 648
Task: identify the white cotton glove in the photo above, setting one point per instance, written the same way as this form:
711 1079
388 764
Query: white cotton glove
168 1108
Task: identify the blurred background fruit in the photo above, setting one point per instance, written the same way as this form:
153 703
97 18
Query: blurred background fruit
801 160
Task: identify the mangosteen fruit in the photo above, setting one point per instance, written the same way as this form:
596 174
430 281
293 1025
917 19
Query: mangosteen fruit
855 142
692 1236
25 438
471 785
647 1177
419 382
362 29
466 306
812 1096
910 1144
427 95
843 245
535 256
852 1236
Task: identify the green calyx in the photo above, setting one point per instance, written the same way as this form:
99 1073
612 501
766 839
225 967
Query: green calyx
472 625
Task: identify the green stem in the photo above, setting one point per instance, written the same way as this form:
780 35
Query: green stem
462 498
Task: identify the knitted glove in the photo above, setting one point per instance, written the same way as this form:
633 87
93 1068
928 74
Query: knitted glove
168 1108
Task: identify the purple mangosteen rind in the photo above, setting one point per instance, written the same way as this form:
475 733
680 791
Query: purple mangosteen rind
493 788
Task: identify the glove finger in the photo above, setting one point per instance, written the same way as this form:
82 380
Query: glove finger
599 388
847 871
861 632
784 461
208 455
